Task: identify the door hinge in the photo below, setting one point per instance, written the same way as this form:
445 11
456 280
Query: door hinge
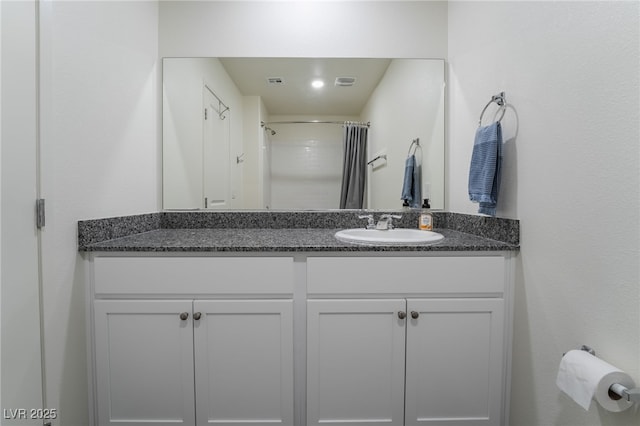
205 113
40 213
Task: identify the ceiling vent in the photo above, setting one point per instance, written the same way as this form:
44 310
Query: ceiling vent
345 81
275 81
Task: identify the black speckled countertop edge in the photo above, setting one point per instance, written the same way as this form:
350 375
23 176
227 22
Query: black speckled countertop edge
282 231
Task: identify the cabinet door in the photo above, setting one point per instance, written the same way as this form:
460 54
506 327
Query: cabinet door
454 362
355 362
144 362
244 362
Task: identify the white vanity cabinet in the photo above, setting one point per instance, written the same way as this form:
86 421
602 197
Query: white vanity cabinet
355 361
455 355
406 341
172 351
244 362
144 362
364 338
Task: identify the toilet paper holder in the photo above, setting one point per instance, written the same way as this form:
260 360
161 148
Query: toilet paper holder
616 390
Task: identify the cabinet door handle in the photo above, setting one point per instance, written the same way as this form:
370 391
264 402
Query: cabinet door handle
402 315
415 314
197 315
184 316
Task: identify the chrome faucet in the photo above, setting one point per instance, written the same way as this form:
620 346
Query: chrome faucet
371 224
386 221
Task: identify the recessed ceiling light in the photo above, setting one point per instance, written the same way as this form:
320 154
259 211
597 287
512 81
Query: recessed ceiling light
316 84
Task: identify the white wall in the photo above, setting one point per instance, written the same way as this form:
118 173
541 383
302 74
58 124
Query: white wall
255 165
399 113
265 152
384 29
570 71
100 137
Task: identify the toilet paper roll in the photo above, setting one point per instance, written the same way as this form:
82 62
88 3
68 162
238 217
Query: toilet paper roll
585 377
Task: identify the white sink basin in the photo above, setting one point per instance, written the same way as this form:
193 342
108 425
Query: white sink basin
398 236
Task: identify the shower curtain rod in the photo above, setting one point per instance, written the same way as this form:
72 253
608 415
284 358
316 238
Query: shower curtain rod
357 123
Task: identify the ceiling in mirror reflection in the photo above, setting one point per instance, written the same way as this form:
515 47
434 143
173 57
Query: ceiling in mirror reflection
285 84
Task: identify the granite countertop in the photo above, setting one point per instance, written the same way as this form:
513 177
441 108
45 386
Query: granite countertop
279 240
279 232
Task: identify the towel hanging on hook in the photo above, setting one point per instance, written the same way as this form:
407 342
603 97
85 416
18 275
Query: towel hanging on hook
502 106
412 181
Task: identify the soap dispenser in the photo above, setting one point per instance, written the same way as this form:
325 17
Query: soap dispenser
426 218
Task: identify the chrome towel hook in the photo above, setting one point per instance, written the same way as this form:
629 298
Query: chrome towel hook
414 144
500 100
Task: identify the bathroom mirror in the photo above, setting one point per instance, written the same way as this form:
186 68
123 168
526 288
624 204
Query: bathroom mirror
254 133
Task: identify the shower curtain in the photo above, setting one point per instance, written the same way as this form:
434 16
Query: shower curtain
354 169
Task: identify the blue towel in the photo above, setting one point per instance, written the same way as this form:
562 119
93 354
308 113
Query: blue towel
411 190
485 170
